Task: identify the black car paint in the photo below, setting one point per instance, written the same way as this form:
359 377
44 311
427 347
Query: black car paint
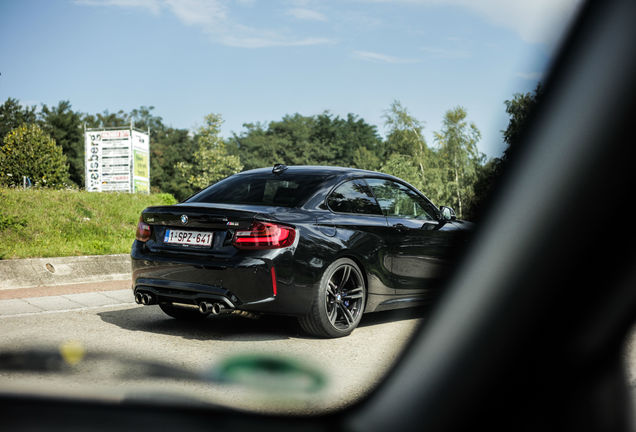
391 257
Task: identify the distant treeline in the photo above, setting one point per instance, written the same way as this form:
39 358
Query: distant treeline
450 171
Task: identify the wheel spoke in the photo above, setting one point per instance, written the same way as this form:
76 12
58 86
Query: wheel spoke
331 287
333 314
347 314
344 297
346 273
353 294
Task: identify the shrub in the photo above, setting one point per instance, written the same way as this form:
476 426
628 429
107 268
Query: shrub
27 151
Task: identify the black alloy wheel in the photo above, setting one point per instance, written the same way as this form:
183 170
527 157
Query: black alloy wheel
339 302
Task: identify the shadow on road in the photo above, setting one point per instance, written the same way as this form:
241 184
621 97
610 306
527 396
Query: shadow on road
225 327
377 318
234 328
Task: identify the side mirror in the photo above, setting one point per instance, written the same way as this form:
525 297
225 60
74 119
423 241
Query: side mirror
448 214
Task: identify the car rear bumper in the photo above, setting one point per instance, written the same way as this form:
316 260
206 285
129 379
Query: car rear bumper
253 283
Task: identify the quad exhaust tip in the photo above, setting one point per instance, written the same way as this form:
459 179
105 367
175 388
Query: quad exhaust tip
206 308
212 308
144 298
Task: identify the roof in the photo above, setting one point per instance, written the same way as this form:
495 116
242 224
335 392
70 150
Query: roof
315 169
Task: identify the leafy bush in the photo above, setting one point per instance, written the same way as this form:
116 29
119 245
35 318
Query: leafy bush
27 151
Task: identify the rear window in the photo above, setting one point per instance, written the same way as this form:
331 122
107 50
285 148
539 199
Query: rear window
282 190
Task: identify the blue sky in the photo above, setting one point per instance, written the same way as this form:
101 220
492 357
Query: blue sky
257 60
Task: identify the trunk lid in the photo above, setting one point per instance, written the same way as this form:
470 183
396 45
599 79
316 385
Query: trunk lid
217 219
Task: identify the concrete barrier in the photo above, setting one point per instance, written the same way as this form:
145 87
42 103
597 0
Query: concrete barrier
38 272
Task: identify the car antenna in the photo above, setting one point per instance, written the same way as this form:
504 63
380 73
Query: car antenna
279 168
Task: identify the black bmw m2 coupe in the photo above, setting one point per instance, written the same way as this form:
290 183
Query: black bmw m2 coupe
324 244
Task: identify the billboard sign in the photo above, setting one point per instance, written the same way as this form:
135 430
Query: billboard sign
117 160
141 162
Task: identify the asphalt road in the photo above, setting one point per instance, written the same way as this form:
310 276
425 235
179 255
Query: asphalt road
129 336
108 322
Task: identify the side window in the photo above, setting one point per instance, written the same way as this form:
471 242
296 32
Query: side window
398 200
353 197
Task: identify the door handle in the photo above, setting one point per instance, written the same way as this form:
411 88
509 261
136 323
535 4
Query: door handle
400 227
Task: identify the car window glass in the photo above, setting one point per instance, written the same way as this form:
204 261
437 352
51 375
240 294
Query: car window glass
398 200
353 197
260 189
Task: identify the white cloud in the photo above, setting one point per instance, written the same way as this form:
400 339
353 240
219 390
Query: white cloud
446 53
153 6
249 38
535 21
213 18
306 14
382 58
198 12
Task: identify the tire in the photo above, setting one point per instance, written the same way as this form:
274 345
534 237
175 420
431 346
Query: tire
338 303
182 313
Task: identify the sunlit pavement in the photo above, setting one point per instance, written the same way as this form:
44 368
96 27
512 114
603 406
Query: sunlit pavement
66 302
110 322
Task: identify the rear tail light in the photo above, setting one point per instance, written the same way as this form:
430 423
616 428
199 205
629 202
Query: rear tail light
265 235
143 230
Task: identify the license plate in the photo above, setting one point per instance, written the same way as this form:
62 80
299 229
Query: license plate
188 238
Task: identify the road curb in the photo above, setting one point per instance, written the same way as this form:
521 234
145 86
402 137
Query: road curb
40 272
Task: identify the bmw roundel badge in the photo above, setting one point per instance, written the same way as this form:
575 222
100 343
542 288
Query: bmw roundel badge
184 219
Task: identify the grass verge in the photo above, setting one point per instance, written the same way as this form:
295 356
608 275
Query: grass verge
55 223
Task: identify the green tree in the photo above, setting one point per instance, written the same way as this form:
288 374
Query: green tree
12 115
364 158
298 142
324 139
168 148
404 167
483 187
29 152
143 118
106 119
211 162
256 147
519 108
405 132
345 137
460 159
65 126
408 156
